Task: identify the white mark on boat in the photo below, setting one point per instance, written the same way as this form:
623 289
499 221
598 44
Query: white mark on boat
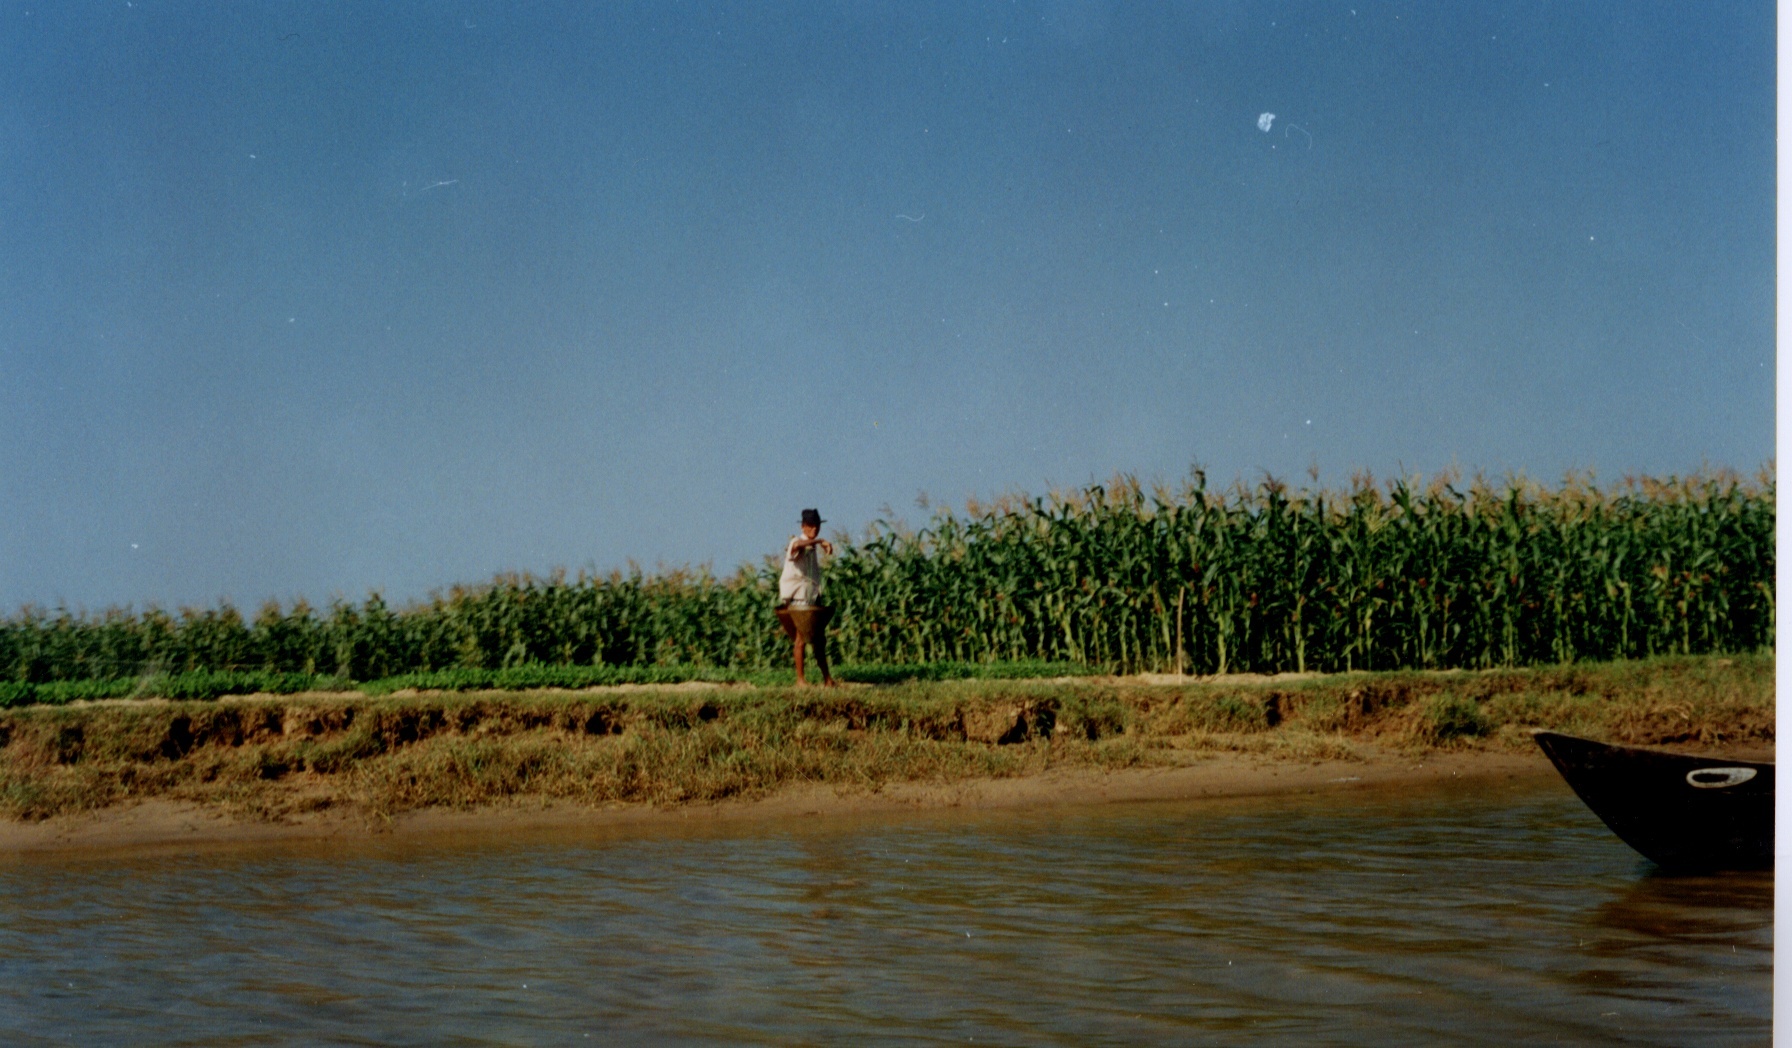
1718 778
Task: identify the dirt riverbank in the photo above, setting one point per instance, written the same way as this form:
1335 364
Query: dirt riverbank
161 824
158 773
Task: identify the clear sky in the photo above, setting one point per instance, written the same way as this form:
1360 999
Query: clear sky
311 299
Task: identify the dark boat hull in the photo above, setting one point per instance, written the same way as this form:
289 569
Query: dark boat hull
1683 812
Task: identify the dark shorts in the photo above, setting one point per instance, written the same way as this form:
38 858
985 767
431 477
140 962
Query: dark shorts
803 620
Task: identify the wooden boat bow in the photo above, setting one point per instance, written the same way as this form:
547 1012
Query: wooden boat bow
1682 811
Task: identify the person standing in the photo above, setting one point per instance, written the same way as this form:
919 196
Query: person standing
800 610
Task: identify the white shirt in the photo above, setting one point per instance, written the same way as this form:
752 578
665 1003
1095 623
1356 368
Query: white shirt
801 579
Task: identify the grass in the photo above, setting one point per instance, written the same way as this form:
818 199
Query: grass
273 755
207 684
537 676
199 684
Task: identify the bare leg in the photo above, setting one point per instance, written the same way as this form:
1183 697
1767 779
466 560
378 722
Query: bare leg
799 661
821 657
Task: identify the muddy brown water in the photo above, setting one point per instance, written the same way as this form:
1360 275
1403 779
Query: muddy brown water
1469 915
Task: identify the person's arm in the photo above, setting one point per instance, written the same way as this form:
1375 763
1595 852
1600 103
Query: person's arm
801 544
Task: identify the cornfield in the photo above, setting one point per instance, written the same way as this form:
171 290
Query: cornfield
1261 579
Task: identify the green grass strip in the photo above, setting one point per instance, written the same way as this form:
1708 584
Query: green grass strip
205 684
533 676
199 684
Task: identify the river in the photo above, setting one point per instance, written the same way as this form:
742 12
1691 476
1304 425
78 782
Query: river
1466 914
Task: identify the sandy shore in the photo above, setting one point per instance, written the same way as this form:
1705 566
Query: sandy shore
158 825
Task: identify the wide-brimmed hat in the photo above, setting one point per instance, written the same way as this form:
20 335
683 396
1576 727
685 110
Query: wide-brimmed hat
812 518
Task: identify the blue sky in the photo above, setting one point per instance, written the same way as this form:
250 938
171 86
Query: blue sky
307 300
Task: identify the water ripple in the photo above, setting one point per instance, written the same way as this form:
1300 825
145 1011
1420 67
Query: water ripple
1450 916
